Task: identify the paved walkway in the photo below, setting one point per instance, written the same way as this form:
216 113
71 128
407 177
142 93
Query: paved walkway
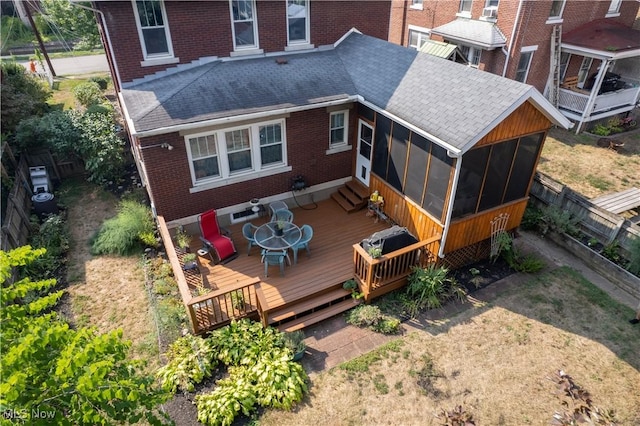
333 341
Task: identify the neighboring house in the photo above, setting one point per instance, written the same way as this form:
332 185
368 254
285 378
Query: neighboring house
226 129
584 56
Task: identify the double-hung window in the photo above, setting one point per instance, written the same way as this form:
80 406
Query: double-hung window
338 128
465 7
557 6
614 8
472 54
298 21
417 38
153 30
526 54
244 24
239 153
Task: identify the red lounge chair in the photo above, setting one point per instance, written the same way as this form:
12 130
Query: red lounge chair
214 240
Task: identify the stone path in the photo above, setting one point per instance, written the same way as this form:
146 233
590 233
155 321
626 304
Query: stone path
333 341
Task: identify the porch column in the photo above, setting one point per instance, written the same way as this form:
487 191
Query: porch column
591 102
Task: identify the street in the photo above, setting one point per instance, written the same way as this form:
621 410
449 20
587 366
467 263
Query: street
76 65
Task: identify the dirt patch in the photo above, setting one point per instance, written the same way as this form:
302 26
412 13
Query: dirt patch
104 291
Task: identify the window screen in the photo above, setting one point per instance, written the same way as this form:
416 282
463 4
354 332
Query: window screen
497 174
397 164
474 164
437 181
417 167
381 147
523 166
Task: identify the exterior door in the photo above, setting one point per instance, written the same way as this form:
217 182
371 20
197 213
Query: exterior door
365 149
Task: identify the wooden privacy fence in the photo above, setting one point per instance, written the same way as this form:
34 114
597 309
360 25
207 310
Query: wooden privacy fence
389 272
605 226
15 223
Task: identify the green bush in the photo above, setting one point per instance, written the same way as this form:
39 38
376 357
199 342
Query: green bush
531 218
52 235
370 316
601 130
191 360
56 131
104 108
560 221
101 81
122 234
431 286
23 96
88 94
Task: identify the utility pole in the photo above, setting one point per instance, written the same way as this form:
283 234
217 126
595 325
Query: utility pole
37 33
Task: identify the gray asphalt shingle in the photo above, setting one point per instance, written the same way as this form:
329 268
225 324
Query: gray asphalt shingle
450 101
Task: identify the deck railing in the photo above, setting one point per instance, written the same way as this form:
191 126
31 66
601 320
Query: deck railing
577 102
217 308
384 274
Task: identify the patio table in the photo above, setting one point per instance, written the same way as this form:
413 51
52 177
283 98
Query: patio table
267 236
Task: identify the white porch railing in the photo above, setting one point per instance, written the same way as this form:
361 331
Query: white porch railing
577 102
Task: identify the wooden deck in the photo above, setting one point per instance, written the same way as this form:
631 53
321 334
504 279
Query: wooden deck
619 202
330 264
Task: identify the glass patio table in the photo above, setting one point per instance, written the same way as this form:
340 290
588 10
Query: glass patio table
268 236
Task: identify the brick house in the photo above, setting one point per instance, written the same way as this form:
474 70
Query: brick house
591 72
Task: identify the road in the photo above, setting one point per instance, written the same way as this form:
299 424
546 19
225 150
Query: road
77 65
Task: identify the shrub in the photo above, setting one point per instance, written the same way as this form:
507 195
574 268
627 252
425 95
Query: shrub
370 316
514 258
88 94
122 234
104 108
23 96
191 360
56 130
101 81
53 236
531 218
431 287
556 220
601 130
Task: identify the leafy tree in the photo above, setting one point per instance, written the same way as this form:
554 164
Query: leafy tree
67 376
75 23
23 96
56 130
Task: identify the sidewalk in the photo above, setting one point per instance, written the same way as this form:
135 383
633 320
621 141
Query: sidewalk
333 341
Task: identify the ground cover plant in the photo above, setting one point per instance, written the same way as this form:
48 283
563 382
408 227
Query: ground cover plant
494 360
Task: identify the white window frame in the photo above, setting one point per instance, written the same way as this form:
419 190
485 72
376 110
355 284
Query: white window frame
154 58
492 3
424 34
335 147
525 50
564 64
555 19
254 19
227 177
471 53
614 9
417 4
583 72
307 27
465 13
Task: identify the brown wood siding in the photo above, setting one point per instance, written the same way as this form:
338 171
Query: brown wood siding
405 212
524 120
473 229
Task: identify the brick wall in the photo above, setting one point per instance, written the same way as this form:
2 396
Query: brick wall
307 140
203 28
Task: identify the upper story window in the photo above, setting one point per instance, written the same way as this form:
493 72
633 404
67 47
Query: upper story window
491 3
557 6
614 7
244 24
237 152
416 4
417 38
153 29
472 54
465 7
526 55
298 21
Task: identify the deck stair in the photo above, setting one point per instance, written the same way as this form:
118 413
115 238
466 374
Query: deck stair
313 309
352 196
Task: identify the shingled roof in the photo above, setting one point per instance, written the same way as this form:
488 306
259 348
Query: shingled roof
450 103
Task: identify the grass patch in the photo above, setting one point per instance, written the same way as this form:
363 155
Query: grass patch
363 362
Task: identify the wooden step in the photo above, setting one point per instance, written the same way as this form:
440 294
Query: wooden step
344 203
317 316
305 305
358 188
350 196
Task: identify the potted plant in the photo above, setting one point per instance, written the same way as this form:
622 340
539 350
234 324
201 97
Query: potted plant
183 240
280 228
189 261
352 286
294 341
375 252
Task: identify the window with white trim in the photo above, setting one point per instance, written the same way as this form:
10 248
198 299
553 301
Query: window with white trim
237 151
491 3
244 25
472 54
465 7
417 38
338 128
298 21
526 55
557 6
416 4
151 21
614 7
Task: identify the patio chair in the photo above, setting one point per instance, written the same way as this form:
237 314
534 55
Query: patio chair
213 238
274 257
282 215
307 234
275 206
248 232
